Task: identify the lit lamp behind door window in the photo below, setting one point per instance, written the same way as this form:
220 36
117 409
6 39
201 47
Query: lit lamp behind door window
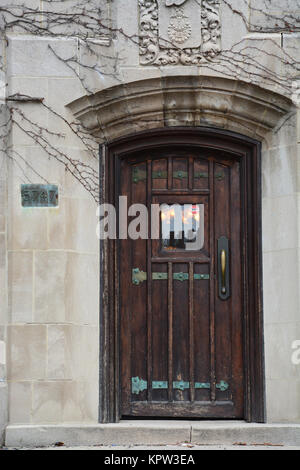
182 227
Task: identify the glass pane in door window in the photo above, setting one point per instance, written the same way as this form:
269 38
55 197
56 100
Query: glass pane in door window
182 227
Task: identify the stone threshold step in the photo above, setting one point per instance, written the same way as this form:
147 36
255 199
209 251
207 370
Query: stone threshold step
154 433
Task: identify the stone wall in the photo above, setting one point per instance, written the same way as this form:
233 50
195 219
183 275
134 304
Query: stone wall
52 254
3 250
280 175
53 261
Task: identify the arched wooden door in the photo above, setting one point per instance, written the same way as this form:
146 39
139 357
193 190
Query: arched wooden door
181 336
181 329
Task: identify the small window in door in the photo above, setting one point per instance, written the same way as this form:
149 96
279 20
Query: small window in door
182 227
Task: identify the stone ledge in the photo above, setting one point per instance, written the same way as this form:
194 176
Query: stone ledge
246 433
3 410
181 101
153 433
124 433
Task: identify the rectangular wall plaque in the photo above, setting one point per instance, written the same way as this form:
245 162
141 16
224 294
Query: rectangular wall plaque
39 195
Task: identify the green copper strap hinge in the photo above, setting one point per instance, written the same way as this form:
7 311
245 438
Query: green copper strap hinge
140 276
141 175
139 385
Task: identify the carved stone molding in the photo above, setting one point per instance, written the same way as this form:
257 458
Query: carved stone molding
179 31
185 101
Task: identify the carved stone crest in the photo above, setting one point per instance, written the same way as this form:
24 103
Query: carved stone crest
179 31
170 3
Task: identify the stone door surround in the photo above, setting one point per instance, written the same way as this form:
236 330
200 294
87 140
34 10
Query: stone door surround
189 101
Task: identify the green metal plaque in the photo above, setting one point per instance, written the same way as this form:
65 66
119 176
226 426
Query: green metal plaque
39 195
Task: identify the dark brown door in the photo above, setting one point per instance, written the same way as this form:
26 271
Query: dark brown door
181 295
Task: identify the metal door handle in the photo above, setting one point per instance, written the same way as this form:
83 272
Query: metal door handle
223 270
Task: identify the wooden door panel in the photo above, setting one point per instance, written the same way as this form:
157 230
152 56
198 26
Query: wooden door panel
200 173
180 173
160 332
222 308
160 174
201 328
181 344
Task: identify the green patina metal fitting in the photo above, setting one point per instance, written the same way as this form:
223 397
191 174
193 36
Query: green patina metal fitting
159 175
139 385
198 175
180 175
140 276
39 195
222 386
181 277
159 276
141 175
201 277
181 385
219 176
156 385
202 385
138 175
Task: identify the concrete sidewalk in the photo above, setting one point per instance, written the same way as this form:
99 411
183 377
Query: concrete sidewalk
184 447
155 433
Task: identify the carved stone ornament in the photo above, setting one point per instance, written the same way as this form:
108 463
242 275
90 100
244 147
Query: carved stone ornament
179 31
170 3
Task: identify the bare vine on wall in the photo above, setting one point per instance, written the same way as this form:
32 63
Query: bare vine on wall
89 25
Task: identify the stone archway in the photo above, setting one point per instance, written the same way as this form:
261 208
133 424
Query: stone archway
181 101
142 108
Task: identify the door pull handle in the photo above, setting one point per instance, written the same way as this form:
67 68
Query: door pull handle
223 268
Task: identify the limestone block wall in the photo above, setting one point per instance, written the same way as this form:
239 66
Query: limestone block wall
280 180
49 258
3 252
53 299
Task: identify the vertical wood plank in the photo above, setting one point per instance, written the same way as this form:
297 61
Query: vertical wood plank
170 331
160 174
191 331
149 284
125 301
170 173
180 173
212 284
191 173
201 331
138 293
237 373
160 332
224 309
